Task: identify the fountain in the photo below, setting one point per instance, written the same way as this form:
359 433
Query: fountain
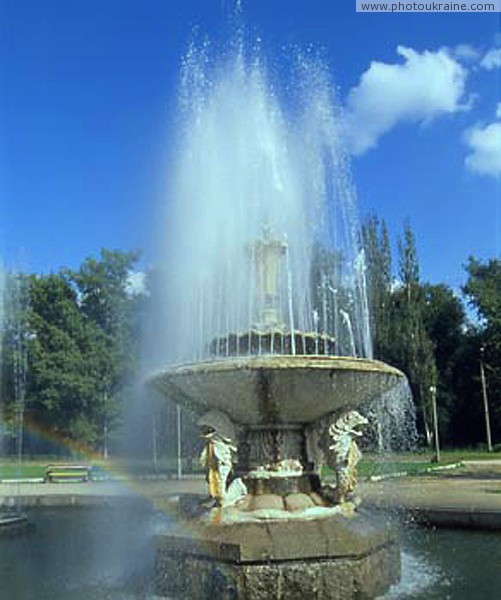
267 323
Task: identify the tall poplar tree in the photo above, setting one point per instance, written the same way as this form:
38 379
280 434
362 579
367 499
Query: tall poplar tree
377 250
415 347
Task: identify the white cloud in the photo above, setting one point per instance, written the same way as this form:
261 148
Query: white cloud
492 60
498 111
426 85
466 53
485 145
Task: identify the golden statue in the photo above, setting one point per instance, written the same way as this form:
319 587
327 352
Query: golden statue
218 457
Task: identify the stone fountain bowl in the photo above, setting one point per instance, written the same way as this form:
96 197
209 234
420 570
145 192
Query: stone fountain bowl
262 390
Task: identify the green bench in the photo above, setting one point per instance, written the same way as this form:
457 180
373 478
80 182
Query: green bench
70 473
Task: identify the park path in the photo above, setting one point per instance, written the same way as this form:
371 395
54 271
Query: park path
434 492
474 487
467 497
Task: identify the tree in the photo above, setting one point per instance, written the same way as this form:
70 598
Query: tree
65 348
483 290
397 307
416 348
80 336
408 264
445 321
377 250
108 302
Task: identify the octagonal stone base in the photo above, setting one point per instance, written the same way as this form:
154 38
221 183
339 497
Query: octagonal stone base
328 558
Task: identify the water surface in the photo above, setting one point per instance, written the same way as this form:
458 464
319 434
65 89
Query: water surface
81 553
108 554
450 564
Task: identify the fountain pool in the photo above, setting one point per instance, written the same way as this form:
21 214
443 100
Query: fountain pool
65 558
91 553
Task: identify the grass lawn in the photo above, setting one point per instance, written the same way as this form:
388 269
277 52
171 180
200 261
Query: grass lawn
369 467
419 462
10 470
412 463
468 454
35 468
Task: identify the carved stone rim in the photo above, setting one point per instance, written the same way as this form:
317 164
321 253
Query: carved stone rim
272 389
281 362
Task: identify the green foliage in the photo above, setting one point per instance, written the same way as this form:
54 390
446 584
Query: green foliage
483 290
397 309
422 329
107 304
81 331
408 260
376 245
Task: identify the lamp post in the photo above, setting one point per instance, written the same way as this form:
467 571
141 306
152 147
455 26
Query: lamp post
179 446
485 400
433 391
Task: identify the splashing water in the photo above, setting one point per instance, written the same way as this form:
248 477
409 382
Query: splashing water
392 418
260 164
418 576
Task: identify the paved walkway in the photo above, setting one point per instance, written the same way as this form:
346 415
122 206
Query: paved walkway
98 492
477 485
466 497
472 489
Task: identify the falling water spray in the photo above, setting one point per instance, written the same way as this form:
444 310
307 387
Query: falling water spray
260 160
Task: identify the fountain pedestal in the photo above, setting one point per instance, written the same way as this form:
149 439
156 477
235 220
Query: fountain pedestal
328 558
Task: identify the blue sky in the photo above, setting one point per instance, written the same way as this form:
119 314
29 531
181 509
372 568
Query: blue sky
88 94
